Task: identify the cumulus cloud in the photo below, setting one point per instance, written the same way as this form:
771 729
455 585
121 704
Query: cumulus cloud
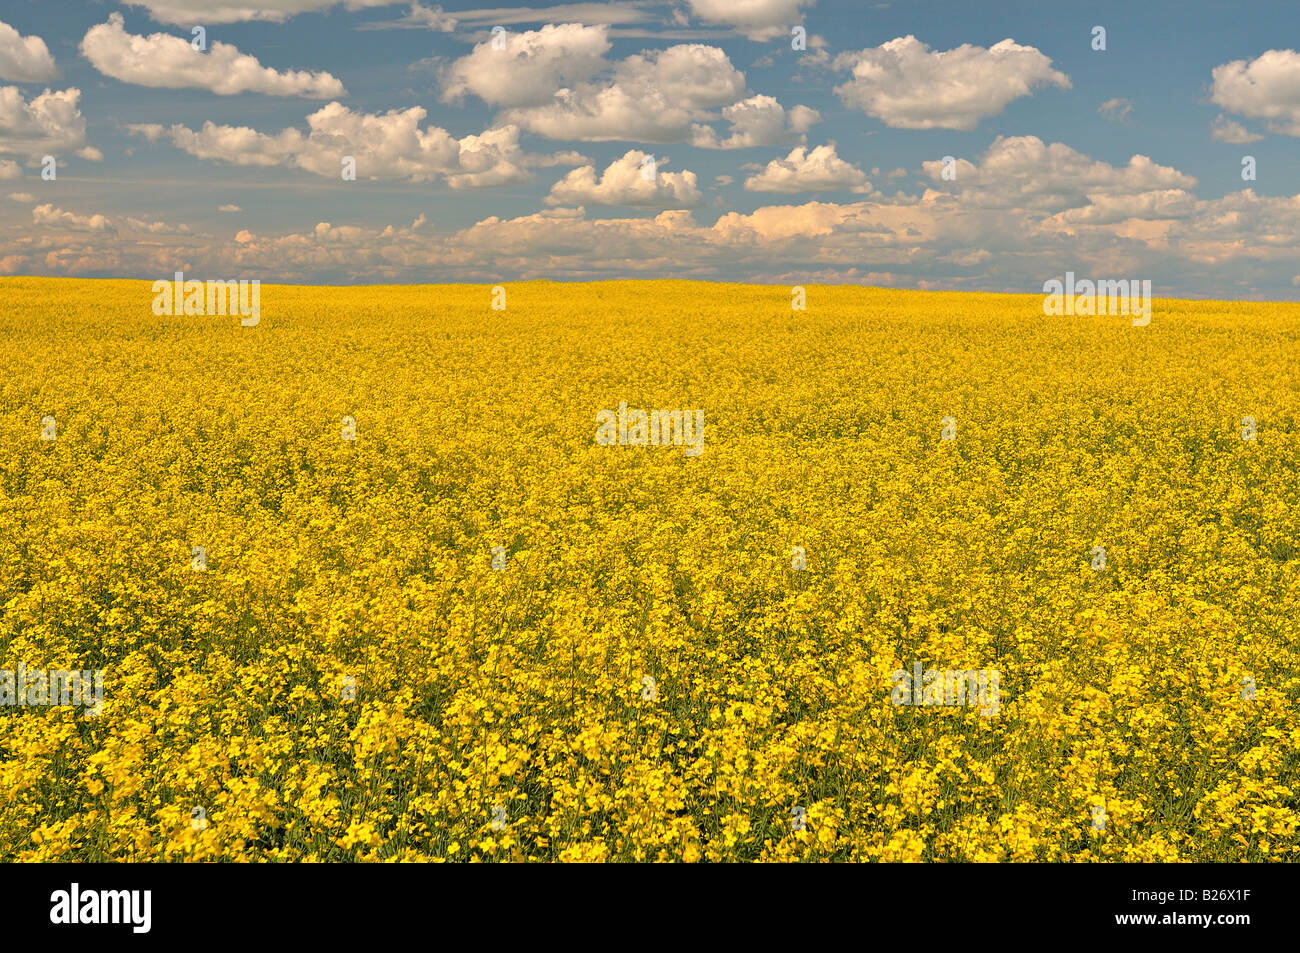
48 216
1228 130
170 62
1024 172
532 68
25 197
757 121
629 181
928 242
1109 209
756 19
48 124
654 96
804 170
24 59
10 170
1267 87
1242 227
556 82
229 208
51 217
906 85
1022 212
391 145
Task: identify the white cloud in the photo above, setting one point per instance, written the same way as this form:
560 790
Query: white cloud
161 60
419 17
532 67
49 124
757 121
932 243
152 131
10 170
1228 130
696 75
154 228
1110 209
654 96
1116 110
51 217
613 13
190 12
229 208
627 182
25 197
1021 213
1268 87
756 19
24 59
555 82
1024 172
907 86
391 145
1240 227
803 170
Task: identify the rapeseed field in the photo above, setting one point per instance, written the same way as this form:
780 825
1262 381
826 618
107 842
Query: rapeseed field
363 583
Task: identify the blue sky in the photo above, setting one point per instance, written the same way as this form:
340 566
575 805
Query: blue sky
770 164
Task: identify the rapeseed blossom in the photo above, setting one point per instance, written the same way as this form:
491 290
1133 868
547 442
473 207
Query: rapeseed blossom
351 674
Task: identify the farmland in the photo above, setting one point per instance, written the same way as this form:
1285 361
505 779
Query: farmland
468 630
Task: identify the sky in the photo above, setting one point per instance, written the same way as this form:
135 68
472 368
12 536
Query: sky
934 144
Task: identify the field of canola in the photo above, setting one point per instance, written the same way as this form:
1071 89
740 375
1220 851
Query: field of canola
349 678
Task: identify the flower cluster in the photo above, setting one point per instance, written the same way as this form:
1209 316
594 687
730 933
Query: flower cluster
463 630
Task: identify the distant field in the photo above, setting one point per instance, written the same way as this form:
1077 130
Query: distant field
339 671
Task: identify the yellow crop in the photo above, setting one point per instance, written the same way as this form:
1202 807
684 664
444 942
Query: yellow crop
344 675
